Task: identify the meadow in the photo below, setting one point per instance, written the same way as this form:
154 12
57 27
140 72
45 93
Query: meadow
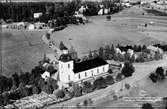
21 50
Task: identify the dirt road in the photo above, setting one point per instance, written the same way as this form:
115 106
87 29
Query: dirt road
142 70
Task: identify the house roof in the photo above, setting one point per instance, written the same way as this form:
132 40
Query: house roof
153 48
90 64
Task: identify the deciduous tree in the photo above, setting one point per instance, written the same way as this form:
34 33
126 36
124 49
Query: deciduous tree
128 69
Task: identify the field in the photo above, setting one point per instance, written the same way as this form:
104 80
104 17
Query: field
21 50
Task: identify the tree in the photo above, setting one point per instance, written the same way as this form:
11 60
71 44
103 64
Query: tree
5 96
144 47
160 73
153 77
73 53
1 100
109 80
62 46
157 55
100 83
40 83
5 84
47 88
127 86
25 92
87 87
101 52
24 78
112 50
35 90
77 90
107 52
52 83
118 77
13 88
147 106
90 56
110 71
128 69
78 106
85 102
59 94
95 55
15 79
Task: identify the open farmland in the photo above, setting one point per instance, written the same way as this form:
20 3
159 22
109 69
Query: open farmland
21 50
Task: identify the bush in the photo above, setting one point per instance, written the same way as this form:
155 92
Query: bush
109 80
108 17
76 90
110 71
59 94
118 77
160 73
127 86
128 69
100 83
85 103
87 87
147 106
153 77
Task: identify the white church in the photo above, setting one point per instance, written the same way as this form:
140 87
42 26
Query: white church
69 71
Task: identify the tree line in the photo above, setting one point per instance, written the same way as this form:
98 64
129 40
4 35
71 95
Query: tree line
108 52
51 10
163 47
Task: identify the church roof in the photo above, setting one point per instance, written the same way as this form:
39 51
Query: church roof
90 64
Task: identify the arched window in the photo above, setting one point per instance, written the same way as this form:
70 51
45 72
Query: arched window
68 77
85 74
79 76
68 65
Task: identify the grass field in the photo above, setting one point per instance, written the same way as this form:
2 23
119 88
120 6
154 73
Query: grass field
21 50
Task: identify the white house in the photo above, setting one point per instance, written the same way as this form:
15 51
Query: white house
154 49
45 75
69 71
130 52
31 27
100 12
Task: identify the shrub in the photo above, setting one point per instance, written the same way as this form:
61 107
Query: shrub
59 94
127 86
153 77
109 80
147 106
77 90
108 17
119 77
100 83
160 73
87 87
110 71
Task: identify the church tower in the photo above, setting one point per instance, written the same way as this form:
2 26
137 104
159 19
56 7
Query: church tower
66 66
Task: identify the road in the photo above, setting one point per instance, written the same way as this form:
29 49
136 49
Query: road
141 71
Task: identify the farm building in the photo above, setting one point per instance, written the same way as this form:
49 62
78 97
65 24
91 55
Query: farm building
154 49
69 71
